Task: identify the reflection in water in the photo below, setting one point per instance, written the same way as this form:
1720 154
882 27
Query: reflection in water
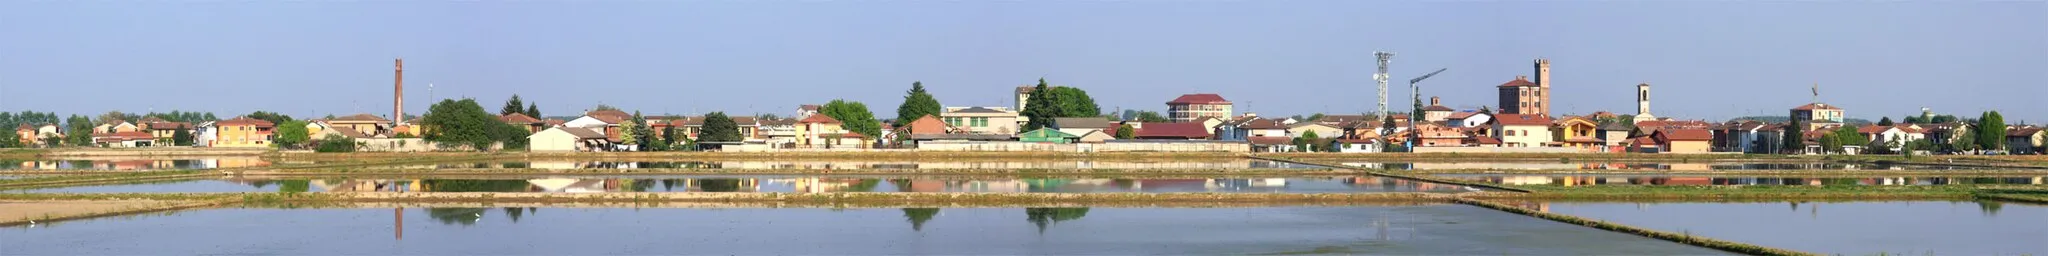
1590 180
1636 166
469 216
1046 216
836 164
826 184
917 216
132 164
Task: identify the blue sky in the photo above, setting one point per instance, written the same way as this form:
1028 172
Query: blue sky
1706 59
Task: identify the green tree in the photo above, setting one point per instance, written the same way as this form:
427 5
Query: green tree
1964 143
9 139
719 128
1041 108
917 104
1074 102
1887 121
1150 117
465 123
1845 136
1125 132
606 107
853 116
917 216
335 143
79 130
512 106
1791 138
291 134
1991 131
1942 119
533 110
1307 141
629 133
274 118
1046 216
182 137
1314 117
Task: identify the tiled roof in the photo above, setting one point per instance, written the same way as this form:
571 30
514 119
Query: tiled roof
360 118
582 133
808 107
240 121
169 125
2023 131
122 136
979 110
1262 124
1336 119
1082 122
1687 134
517 118
1615 126
1518 82
1484 140
609 112
1438 108
1813 106
819 118
1521 119
1199 98
1177 130
1462 115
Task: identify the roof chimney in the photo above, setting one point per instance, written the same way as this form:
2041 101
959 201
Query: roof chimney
1434 101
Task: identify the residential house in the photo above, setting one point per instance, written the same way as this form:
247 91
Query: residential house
26 134
1770 139
1229 129
1482 140
1436 111
164 131
1737 136
1262 128
1577 132
1437 135
1337 120
1083 125
1684 141
928 124
749 127
567 139
2024 140
1272 144
115 126
1522 131
532 125
1048 135
1173 131
605 121
821 131
1883 137
1468 119
1354 146
362 123
780 132
1946 133
1614 137
124 139
1096 137
1321 130
204 134
1209 122
805 111
985 120
1189 107
1813 116
242 132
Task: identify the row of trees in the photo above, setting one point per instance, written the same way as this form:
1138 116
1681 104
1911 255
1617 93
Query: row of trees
512 106
1048 102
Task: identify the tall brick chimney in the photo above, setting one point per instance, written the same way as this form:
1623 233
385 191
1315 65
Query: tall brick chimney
398 92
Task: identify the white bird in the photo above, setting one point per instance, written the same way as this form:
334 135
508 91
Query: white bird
31 223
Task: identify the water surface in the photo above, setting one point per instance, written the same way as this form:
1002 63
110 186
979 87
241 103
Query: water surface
788 184
1538 165
1707 179
1856 228
856 164
1409 230
120 163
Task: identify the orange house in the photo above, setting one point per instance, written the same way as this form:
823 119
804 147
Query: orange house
243 132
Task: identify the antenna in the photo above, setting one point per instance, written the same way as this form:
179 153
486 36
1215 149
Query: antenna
1381 77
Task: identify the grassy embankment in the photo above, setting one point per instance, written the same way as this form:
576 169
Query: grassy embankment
1689 239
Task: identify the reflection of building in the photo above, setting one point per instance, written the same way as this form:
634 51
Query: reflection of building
368 185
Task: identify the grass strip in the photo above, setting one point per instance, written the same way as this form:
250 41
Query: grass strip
1717 244
1409 177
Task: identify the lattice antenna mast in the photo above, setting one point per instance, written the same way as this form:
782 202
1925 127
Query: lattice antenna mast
1381 77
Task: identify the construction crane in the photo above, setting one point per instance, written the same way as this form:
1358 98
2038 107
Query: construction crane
1416 115
1381 77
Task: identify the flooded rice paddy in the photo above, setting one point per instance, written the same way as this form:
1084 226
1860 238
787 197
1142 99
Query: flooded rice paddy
1678 180
1401 230
788 184
130 164
1847 228
1625 166
842 164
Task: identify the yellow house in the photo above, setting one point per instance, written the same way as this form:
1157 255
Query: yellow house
362 123
823 131
242 132
1577 132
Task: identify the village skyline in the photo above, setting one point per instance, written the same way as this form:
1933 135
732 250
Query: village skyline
654 57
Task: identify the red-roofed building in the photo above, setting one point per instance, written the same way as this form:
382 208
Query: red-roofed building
1189 107
1173 131
1518 130
1813 116
1522 96
1684 141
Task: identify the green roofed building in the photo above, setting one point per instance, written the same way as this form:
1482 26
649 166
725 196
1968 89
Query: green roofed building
1047 135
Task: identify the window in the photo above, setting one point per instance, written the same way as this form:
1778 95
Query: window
980 122
1511 132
